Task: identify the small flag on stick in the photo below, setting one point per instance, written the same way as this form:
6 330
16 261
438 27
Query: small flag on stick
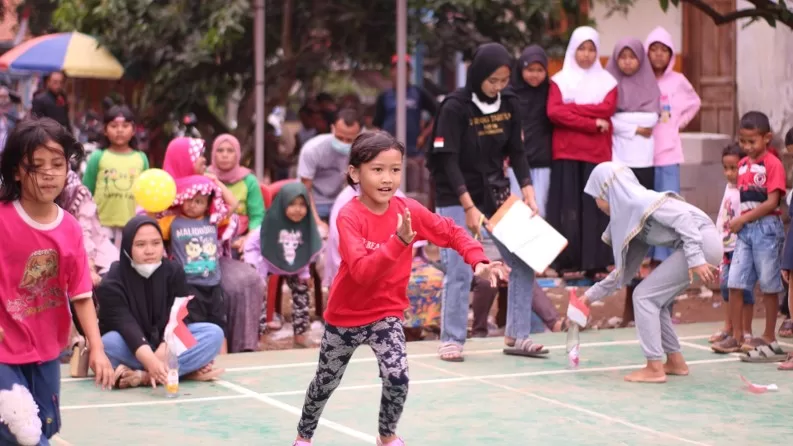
177 336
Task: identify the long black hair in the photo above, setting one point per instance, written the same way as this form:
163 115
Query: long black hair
28 135
368 145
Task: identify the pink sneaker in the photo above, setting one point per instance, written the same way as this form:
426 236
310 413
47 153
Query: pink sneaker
397 442
577 312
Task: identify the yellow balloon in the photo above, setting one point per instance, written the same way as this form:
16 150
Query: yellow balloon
154 190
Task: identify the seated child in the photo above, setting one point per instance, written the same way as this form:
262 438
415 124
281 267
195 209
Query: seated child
287 243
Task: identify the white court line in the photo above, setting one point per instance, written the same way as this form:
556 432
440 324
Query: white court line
154 402
412 356
296 411
379 385
577 408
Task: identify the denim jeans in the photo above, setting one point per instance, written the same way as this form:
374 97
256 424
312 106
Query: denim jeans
541 179
457 285
208 336
42 381
667 179
757 256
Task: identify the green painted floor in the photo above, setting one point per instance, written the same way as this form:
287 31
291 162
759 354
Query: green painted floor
490 399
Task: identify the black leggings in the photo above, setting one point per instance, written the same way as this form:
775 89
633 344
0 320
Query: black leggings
387 340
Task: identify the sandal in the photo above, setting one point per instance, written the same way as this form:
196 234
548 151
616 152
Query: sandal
718 336
126 378
786 329
765 353
787 364
728 345
526 347
397 442
451 352
750 343
78 364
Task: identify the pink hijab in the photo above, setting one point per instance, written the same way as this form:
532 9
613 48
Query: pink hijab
180 158
236 173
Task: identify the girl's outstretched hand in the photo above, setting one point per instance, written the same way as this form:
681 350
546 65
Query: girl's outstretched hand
493 272
405 227
704 271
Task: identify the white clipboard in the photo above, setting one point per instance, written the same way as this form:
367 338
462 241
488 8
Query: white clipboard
526 234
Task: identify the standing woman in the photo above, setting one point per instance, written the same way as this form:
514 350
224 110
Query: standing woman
478 127
531 84
581 101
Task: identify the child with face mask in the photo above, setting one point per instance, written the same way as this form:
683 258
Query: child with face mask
287 243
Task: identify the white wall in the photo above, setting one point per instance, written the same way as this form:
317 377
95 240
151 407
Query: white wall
764 72
642 17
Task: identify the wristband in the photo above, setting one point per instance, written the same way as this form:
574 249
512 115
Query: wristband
402 240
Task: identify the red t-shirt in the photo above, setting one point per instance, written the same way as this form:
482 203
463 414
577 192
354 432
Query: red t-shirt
44 267
375 264
757 178
575 134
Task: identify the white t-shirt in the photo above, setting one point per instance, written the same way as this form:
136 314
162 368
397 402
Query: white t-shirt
630 149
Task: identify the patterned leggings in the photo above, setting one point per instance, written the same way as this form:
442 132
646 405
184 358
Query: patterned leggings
387 340
300 301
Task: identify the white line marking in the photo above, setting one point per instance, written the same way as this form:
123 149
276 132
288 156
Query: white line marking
379 385
786 344
154 402
296 411
412 356
573 406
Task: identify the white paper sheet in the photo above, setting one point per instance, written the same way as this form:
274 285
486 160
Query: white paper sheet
529 237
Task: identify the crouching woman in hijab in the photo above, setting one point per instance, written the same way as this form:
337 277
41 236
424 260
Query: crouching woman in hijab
135 300
641 218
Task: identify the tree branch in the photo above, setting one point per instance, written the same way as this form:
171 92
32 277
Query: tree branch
763 9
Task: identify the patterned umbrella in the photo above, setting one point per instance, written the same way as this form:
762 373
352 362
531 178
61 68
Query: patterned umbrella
76 54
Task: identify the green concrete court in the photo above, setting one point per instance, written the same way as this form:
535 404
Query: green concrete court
490 399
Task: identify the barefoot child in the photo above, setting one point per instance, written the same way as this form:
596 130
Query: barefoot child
368 296
730 209
286 244
43 269
640 218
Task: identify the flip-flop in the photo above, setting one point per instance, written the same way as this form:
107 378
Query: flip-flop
451 348
525 347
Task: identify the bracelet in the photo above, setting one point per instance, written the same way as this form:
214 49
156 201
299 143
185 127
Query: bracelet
401 239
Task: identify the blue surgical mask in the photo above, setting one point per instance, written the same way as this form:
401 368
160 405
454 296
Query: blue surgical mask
341 147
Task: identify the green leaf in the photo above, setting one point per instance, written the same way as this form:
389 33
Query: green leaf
664 5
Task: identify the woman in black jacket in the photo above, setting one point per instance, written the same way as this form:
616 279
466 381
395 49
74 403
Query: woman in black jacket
135 300
477 129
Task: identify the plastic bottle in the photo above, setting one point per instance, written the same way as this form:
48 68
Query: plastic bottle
172 385
573 346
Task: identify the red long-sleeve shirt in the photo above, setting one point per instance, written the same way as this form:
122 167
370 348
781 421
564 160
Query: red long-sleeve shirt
575 135
375 264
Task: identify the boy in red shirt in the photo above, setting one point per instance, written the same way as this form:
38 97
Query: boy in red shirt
369 294
758 250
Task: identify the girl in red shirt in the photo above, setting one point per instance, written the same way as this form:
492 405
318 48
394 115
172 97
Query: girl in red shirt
368 296
581 101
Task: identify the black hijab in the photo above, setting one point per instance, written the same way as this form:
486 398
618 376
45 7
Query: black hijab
487 59
537 128
135 307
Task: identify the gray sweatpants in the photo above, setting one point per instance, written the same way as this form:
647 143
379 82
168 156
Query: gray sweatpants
656 293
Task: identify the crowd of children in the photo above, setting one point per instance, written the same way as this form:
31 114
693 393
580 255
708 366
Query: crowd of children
607 149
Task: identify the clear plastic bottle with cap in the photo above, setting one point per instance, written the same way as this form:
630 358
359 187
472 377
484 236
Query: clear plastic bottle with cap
172 385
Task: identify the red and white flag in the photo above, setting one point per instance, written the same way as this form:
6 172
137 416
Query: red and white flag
177 335
438 143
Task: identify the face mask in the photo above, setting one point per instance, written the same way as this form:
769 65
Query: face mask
146 269
341 147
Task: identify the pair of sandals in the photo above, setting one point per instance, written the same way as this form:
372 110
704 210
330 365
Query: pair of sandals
755 350
451 352
397 442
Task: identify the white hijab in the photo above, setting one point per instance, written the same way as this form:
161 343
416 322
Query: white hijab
578 85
